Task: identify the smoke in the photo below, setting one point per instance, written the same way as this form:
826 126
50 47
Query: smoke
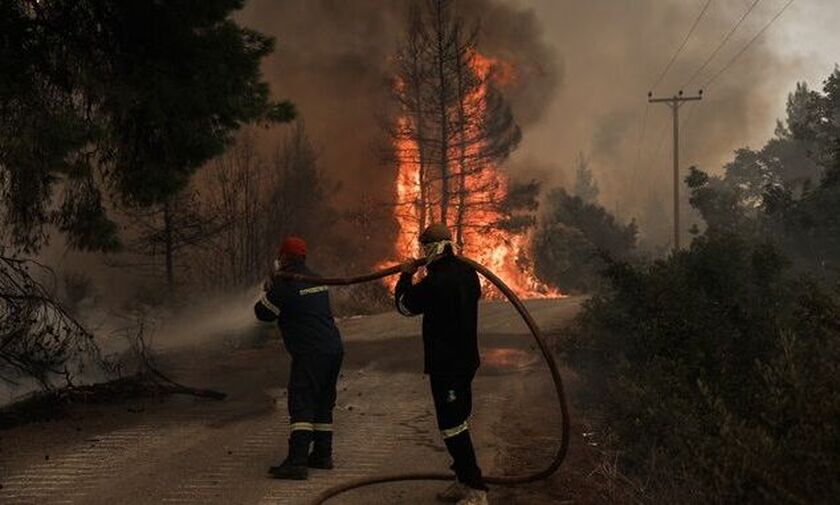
331 59
583 70
222 320
612 53
334 60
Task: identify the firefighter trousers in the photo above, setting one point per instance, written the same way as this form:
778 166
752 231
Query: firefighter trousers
452 396
311 399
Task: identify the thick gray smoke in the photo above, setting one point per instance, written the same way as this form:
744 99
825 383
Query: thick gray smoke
613 52
584 70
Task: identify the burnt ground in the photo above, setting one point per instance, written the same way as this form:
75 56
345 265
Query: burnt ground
181 449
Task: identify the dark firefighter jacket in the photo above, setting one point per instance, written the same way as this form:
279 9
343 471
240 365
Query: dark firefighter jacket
448 299
302 310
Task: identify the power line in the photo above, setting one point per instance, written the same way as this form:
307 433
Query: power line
748 45
720 46
658 81
682 46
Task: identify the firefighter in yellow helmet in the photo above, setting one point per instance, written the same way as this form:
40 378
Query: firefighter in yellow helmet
448 299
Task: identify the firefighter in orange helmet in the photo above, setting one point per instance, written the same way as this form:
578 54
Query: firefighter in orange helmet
303 313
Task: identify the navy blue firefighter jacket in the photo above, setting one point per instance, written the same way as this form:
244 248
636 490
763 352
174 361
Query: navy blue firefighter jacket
303 313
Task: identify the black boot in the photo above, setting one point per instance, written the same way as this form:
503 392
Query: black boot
294 466
464 462
321 456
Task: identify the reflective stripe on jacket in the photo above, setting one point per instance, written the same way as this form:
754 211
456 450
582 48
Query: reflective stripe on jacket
303 313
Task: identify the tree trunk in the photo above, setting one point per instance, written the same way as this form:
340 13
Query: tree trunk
462 135
169 247
414 79
423 193
442 111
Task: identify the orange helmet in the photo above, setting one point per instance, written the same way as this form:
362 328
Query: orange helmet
293 246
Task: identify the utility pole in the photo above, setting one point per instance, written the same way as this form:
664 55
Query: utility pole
675 103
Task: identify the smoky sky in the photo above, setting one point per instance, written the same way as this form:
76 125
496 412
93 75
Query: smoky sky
612 52
583 70
334 60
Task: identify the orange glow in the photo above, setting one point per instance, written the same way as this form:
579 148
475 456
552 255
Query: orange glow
507 357
504 252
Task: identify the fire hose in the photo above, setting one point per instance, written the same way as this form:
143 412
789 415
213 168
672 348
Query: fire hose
504 480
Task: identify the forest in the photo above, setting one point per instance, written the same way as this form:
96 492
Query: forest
164 164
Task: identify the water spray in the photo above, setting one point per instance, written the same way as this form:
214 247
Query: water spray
560 453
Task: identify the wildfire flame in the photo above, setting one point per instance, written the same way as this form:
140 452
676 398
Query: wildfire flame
505 252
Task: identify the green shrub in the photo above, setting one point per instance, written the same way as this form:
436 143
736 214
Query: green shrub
717 372
573 238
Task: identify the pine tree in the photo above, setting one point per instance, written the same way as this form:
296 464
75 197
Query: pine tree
454 124
585 186
96 103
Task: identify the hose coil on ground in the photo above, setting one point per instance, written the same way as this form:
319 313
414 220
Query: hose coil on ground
506 480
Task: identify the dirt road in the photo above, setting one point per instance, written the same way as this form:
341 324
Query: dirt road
186 450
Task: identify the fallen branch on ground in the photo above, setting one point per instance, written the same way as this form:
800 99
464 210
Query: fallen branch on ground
41 340
52 404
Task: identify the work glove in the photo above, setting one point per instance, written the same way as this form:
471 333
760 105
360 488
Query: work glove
409 268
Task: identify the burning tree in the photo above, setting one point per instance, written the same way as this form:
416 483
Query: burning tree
456 126
452 131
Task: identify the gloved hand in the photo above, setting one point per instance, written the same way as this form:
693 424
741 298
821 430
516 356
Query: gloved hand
409 268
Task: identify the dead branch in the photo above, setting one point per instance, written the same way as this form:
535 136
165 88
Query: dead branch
40 340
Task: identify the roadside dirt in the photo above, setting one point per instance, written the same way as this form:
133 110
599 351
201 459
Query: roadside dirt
587 476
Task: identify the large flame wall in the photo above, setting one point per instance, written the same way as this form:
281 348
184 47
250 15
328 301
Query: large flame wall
505 252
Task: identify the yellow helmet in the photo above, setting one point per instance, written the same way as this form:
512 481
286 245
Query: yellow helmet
435 233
